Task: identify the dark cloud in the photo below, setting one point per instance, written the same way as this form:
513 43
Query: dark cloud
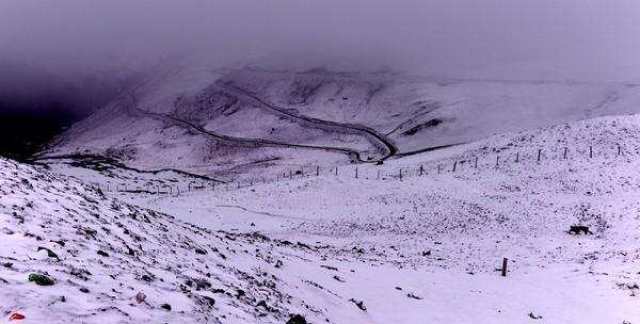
67 41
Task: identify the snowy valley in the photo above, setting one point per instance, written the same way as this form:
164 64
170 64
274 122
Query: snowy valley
310 162
377 247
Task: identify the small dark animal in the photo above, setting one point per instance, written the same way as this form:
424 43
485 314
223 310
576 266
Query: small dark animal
577 229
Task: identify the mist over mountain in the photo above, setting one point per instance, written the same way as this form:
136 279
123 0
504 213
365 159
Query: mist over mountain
37 103
73 39
75 56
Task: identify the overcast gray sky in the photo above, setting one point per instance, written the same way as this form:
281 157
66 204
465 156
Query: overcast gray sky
594 39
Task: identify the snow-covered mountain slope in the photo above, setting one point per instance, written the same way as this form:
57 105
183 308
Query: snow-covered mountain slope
346 250
238 119
70 254
527 202
444 236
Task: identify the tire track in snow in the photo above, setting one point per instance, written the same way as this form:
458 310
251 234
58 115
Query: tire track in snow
263 213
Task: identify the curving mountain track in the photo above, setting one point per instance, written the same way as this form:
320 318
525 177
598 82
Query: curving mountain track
379 140
133 109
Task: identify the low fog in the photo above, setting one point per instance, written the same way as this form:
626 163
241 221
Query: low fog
79 53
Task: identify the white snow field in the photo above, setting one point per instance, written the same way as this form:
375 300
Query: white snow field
69 254
336 249
441 237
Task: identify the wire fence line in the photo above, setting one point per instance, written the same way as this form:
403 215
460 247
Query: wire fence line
477 161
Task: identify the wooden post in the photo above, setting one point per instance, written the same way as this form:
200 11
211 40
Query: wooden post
421 170
539 154
356 172
497 161
564 154
336 171
400 173
517 157
590 151
317 170
475 165
439 167
619 150
504 266
455 164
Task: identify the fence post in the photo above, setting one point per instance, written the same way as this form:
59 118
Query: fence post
400 174
564 154
290 174
517 157
539 154
504 266
497 161
439 167
619 150
336 171
455 164
590 151
317 170
302 172
356 172
421 169
475 165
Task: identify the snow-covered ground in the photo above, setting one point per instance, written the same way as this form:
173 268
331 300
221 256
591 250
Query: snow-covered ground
70 254
228 121
424 249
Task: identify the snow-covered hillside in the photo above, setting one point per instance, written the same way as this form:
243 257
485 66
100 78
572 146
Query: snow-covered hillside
428 248
546 176
70 254
226 122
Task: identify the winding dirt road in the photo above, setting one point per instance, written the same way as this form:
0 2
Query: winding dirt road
379 140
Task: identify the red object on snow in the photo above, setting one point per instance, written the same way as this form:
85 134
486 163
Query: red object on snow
16 317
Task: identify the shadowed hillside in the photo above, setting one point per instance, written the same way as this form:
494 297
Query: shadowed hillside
23 131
